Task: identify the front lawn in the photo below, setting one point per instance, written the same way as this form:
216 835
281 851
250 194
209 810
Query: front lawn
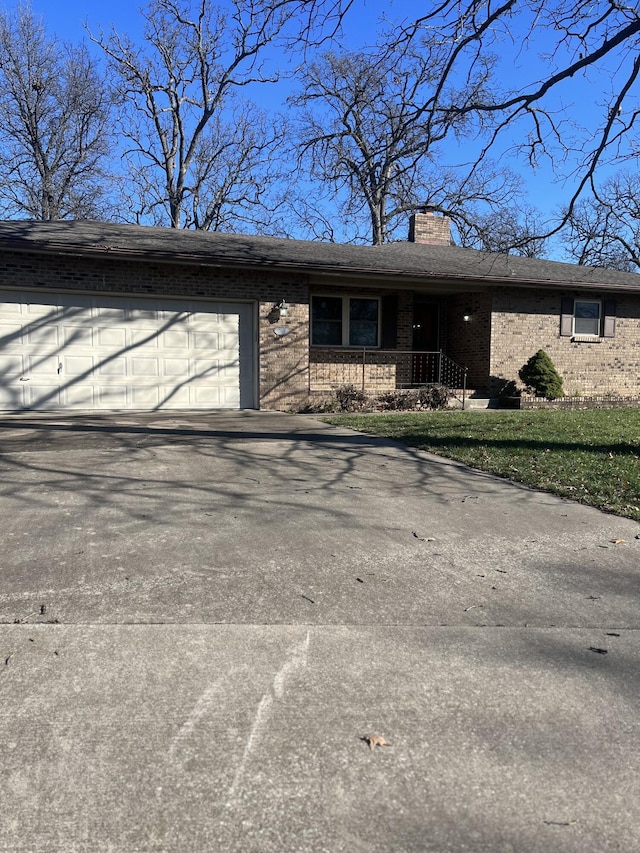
589 456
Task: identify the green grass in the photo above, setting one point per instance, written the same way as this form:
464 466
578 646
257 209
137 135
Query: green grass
588 456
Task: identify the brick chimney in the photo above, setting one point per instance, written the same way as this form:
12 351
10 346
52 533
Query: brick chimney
431 229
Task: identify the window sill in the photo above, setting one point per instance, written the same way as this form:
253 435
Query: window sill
586 339
343 347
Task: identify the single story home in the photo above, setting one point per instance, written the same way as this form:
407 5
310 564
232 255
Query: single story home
105 316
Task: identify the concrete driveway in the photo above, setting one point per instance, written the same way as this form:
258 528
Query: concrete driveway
202 615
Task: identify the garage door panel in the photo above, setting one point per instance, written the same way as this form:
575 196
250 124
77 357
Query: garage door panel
111 338
143 337
13 365
112 315
12 396
35 311
74 336
41 396
144 367
44 336
85 352
145 398
113 396
207 341
10 333
111 367
44 366
229 398
178 367
78 395
176 397
216 368
175 340
77 365
210 397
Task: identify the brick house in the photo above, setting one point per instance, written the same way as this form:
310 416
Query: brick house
110 316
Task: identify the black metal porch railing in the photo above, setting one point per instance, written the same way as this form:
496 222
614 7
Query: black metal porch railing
422 369
377 370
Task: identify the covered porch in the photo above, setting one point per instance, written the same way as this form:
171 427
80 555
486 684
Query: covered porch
422 339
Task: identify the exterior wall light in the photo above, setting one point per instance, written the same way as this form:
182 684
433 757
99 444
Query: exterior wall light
466 318
281 311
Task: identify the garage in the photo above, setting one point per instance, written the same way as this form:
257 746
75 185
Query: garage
84 352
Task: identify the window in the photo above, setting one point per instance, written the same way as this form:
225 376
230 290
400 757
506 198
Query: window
326 320
584 319
344 321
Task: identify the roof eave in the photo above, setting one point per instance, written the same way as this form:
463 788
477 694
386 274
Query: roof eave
390 276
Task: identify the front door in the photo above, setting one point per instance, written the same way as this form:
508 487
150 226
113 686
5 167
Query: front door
425 343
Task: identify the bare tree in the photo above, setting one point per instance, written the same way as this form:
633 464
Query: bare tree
366 135
234 177
514 230
54 124
604 231
190 162
549 48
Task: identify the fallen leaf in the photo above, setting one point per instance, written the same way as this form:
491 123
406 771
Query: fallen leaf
375 740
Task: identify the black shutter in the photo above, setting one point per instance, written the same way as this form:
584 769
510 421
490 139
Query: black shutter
566 316
389 324
609 324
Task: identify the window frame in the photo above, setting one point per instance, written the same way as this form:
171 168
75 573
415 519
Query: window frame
346 320
596 334
607 318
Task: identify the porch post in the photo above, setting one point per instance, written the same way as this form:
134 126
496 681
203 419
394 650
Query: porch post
364 362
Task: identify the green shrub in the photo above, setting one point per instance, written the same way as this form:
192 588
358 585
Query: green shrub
540 376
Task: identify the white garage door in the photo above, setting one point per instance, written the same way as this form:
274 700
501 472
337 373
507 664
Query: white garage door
87 352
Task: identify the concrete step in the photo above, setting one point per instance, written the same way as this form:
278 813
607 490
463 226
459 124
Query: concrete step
482 403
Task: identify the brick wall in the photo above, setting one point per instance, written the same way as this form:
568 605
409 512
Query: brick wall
405 319
526 321
331 368
431 229
467 342
283 374
284 362
506 326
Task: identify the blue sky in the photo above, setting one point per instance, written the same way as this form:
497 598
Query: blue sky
579 100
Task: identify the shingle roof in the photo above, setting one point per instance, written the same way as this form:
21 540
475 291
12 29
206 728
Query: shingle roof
410 262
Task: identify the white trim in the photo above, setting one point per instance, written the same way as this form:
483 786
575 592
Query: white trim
586 339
